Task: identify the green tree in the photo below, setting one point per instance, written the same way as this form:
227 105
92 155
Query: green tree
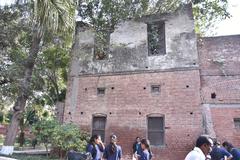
207 13
46 16
104 14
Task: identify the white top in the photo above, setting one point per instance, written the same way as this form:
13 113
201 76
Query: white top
195 154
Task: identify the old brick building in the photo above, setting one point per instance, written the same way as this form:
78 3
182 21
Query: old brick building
170 90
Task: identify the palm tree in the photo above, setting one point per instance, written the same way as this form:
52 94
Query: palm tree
48 15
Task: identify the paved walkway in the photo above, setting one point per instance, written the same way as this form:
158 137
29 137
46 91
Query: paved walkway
5 158
31 152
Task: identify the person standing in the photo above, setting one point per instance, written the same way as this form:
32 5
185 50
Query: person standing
144 152
136 145
203 147
234 151
219 153
95 147
113 151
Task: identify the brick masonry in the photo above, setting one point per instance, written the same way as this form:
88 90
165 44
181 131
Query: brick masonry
130 104
191 72
220 75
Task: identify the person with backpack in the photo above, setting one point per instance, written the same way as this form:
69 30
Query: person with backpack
113 151
95 147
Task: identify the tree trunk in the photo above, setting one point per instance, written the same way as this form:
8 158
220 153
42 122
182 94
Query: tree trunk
21 138
23 95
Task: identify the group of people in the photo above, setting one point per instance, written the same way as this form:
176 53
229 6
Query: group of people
206 149
210 149
141 149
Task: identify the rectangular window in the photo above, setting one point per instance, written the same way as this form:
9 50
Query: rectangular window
101 45
237 122
156 130
98 126
156 38
155 88
100 91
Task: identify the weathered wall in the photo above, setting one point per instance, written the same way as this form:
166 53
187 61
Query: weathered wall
128 74
220 69
219 55
129 69
127 104
129 47
220 76
223 115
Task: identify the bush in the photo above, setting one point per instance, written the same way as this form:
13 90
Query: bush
43 131
65 137
69 137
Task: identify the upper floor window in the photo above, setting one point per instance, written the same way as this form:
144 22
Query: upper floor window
155 89
156 38
100 91
101 45
237 123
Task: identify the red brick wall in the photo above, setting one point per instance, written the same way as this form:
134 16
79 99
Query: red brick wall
220 74
226 88
178 101
219 55
224 124
220 68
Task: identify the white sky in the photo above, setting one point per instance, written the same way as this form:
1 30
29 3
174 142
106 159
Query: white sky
232 25
226 27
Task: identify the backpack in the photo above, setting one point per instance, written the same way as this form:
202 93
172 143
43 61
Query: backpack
73 155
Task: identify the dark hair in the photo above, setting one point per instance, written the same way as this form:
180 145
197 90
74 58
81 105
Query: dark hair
216 142
227 145
146 143
203 139
137 138
113 147
92 139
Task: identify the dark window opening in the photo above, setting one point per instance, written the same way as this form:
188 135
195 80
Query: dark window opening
98 126
156 38
155 88
101 91
101 45
237 122
156 130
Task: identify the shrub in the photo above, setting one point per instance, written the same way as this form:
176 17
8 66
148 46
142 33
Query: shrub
43 131
69 136
65 137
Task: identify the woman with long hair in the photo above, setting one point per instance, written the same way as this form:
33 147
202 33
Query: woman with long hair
113 151
95 147
144 153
